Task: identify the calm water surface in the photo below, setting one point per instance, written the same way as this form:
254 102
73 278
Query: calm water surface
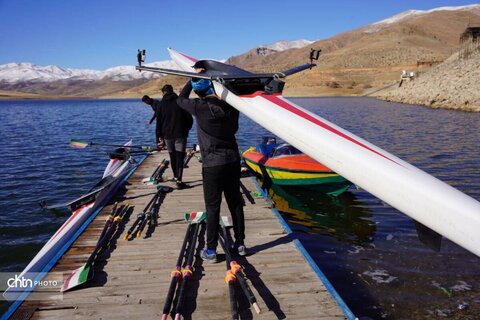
368 250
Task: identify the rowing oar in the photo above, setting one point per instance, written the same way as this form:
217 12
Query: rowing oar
109 221
85 272
230 279
80 144
176 273
78 202
188 269
152 214
189 156
158 173
235 268
142 216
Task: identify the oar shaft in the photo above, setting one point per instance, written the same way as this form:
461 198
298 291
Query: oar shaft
240 276
109 221
230 278
186 273
233 300
189 156
143 223
142 217
101 241
161 169
116 145
157 168
176 275
134 225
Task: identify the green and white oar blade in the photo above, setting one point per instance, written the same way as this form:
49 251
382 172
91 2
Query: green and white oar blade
77 278
79 144
195 216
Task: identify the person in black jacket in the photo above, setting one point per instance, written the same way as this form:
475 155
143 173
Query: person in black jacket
173 125
154 104
217 123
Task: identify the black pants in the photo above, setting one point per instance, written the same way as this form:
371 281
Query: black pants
217 180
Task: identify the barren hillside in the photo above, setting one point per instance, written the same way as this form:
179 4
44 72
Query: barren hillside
454 84
352 63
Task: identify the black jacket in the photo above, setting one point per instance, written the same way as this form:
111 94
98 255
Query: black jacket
172 121
217 123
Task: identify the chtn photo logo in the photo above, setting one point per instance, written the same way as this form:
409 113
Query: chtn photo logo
20 282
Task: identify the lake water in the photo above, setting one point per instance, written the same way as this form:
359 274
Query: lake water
368 250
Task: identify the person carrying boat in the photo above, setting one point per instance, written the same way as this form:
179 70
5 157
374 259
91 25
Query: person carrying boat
217 123
173 125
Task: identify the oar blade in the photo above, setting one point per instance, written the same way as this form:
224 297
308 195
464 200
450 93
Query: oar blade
195 216
77 278
428 237
226 221
79 144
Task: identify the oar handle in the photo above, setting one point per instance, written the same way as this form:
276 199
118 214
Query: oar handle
163 166
223 239
175 276
143 224
109 221
187 272
134 225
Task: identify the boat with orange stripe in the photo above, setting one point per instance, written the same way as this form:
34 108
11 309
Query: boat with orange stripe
284 164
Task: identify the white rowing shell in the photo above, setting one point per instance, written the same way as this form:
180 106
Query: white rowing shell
412 191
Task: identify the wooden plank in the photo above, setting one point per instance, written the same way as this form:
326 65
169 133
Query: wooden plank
132 277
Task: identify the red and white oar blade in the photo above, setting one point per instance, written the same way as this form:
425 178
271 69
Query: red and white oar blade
77 278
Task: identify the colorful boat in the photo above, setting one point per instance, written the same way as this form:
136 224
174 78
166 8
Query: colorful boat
84 210
283 164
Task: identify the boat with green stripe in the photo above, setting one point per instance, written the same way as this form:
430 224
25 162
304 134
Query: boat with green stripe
283 164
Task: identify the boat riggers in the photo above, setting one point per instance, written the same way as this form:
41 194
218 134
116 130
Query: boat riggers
85 272
239 81
192 218
149 215
234 272
158 173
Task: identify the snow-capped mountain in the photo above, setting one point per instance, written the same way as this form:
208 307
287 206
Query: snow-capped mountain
285 45
13 73
266 49
415 13
25 72
19 72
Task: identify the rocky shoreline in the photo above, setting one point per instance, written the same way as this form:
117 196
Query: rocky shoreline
453 84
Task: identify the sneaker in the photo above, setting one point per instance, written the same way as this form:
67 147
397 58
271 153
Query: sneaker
242 250
209 255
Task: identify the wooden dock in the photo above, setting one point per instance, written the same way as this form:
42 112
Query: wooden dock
132 277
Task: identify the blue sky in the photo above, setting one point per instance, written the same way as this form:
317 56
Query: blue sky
99 34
